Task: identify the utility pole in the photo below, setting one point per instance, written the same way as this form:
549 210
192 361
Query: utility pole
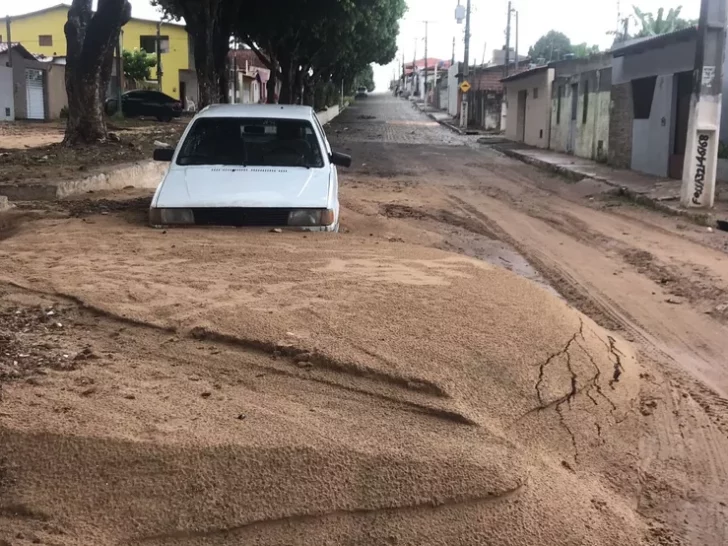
414 65
427 23
516 12
159 56
235 79
10 42
453 49
466 69
701 151
508 40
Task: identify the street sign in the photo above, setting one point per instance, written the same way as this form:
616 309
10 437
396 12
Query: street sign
465 87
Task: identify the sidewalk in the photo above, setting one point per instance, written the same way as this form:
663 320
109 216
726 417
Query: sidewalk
660 193
441 117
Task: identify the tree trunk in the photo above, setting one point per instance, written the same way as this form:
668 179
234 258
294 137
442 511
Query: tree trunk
287 80
210 27
271 88
91 39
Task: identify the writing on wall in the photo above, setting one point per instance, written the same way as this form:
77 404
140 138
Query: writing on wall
702 158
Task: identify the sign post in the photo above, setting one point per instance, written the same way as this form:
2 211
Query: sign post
701 150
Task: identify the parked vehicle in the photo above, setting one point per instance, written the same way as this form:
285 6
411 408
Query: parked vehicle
362 93
143 102
251 165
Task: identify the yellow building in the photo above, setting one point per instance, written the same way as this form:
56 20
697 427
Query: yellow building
41 32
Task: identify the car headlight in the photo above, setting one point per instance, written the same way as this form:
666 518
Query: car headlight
311 217
163 217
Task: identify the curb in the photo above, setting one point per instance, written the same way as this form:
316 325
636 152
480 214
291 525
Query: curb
702 218
145 174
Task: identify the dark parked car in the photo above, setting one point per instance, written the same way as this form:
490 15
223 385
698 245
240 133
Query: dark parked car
146 103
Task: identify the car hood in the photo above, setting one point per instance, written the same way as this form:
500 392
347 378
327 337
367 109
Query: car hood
285 187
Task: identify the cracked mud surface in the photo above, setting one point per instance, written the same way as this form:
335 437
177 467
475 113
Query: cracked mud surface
392 384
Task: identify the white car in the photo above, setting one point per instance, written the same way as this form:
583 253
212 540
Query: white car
251 165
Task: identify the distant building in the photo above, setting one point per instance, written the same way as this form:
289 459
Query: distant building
41 32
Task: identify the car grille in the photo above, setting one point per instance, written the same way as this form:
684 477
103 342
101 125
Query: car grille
239 217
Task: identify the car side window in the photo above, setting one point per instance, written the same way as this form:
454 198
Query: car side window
323 135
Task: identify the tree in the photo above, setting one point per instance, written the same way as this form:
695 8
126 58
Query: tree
365 78
654 26
91 39
210 24
138 65
309 43
551 47
583 50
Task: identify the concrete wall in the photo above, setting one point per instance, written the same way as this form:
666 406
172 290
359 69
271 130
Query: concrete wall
652 138
7 102
453 106
560 123
538 109
621 117
56 95
20 63
679 57
327 115
591 138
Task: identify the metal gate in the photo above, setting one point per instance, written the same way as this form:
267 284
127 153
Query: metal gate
34 94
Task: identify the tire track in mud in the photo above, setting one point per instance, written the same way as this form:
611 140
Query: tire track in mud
302 363
600 307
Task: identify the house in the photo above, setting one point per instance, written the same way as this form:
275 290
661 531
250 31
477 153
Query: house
487 96
41 32
651 89
415 78
528 103
29 87
580 103
249 77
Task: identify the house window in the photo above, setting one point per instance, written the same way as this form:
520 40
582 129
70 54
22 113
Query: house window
45 40
149 44
535 92
558 104
586 102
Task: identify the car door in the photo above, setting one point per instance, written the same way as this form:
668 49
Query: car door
132 103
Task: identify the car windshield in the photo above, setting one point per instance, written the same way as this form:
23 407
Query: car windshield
251 142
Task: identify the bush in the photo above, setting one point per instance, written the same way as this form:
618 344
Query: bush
64 113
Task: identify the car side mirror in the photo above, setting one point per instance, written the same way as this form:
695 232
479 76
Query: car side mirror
340 160
163 154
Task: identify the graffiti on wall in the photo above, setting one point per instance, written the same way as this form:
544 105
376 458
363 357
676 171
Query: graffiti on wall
702 159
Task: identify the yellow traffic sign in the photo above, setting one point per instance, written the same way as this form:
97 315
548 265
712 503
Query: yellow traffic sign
465 87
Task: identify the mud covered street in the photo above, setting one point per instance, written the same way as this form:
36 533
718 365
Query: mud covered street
485 354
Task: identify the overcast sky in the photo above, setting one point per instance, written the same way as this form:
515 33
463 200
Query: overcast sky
581 20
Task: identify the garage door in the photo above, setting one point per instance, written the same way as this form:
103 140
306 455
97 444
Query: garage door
34 93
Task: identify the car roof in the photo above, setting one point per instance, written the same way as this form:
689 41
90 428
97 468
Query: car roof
277 111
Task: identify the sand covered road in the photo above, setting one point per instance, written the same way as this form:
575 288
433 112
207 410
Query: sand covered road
268 387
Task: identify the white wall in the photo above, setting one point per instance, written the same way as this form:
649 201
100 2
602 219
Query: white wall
452 87
538 109
7 99
652 138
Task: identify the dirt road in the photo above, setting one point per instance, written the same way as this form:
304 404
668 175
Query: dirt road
391 384
659 280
